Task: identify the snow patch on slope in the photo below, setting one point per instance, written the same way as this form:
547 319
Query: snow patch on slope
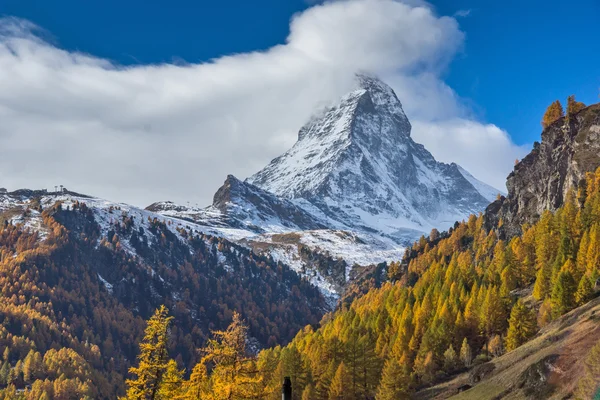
487 191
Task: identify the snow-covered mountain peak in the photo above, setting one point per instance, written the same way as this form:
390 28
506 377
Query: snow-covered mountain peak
366 126
357 164
384 99
354 183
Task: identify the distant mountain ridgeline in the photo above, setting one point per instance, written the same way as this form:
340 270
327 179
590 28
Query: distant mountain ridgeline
67 332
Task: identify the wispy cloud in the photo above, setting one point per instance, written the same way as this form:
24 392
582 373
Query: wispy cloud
462 13
174 131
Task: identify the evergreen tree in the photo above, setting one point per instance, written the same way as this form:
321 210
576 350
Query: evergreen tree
466 355
340 384
563 294
153 358
521 326
585 291
394 382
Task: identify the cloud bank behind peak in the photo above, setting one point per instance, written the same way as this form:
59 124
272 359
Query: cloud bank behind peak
174 131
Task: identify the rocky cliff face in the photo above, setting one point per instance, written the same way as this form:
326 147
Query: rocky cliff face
541 180
259 210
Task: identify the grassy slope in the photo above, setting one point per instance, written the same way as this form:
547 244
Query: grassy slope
523 374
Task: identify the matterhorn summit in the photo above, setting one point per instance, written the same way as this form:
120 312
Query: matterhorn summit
354 187
358 165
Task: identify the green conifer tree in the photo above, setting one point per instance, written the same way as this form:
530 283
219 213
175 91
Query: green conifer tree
394 383
521 326
563 294
585 291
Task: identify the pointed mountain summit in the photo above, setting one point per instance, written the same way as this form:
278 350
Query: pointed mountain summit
241 201
358 165
355 189
241 205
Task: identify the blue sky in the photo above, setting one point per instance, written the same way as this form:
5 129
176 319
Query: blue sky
517 58
156 102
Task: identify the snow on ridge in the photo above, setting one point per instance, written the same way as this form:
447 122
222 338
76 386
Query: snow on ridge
107 285
107 212
487 191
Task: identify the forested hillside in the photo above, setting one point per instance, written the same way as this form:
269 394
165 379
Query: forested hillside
66 333
462 302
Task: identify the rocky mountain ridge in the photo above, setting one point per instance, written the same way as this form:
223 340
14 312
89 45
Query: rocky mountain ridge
357 165
569 149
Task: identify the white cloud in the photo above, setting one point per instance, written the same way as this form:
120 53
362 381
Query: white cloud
462 13
482 149
153 132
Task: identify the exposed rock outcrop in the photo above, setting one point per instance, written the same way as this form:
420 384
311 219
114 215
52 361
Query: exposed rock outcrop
569 149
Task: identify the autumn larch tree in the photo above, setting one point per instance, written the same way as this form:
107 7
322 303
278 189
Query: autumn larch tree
521 326
466 355
563 294
309 393
153 359
234 372
585 291
553 112
340 384
394 383
197 387
573 106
